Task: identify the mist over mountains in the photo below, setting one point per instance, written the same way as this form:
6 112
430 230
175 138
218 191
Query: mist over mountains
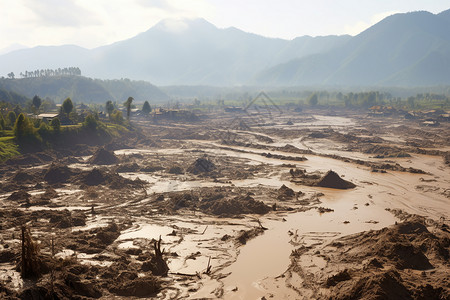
411 49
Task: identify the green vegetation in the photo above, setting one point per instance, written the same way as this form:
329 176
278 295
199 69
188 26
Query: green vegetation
8 148
78 88
109 107
117 117
67 106
33 134
37 102
127 104
146 108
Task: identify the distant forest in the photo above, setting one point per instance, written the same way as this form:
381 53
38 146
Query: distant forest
80 88
71 71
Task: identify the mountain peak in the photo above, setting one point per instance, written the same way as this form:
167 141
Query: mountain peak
182 25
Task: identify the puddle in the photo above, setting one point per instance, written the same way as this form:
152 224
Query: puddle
147 231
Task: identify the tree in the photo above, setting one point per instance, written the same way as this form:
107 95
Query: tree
11 75
2 122
67 106
146 108
109 107
37 102
91 122
55 123
11 117
127 104
313 100
23 127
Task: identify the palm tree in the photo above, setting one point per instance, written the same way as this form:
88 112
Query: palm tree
127 104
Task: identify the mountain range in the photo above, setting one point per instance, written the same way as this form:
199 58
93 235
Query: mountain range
411 49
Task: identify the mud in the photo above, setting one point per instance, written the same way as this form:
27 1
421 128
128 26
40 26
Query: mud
226 208
103 157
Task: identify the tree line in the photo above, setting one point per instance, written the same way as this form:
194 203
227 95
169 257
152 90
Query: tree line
70 71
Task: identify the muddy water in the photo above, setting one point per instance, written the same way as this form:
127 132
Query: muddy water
267 256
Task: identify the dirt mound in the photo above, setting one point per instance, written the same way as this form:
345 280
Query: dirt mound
25 160
236 206
333 180
183 200
49 194
285 193
94 177
390 263
22 176
146 286
57 174
175 170
102 176
201 165
385 285
103 157
19 196
108 234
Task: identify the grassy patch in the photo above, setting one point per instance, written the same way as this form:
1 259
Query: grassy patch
8 148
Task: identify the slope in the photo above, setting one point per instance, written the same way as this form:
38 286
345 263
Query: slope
403 49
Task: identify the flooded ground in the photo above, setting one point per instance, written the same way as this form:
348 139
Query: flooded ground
238 208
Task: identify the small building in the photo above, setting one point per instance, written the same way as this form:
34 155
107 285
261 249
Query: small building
47 116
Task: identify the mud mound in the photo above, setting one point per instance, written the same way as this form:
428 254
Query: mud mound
183 200
175 170
57 174
63 218
25 160
386 285
236 206
333 180
94 177
103 157
23 177
49 194
404 254
246 235
19 196
113 180
285 193
146 286
108 234
389 258
201 165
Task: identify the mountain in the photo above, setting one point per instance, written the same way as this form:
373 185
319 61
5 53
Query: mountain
192 52
12 48
411 49
81 89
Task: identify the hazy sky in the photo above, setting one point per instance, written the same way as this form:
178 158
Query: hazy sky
92 23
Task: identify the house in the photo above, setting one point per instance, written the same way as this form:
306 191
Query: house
47 116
